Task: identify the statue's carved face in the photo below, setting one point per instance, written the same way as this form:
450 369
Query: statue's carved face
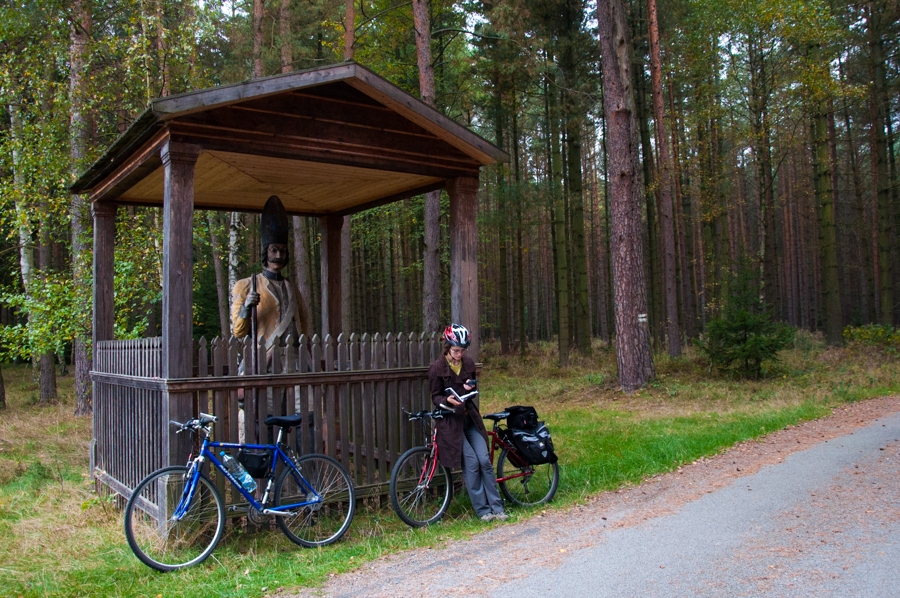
276 257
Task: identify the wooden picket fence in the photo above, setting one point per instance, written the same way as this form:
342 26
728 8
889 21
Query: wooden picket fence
352 393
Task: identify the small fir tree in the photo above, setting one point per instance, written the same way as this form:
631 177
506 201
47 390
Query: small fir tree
744 335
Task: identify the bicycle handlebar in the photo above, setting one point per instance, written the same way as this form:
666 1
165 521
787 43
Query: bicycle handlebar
436 413
194 423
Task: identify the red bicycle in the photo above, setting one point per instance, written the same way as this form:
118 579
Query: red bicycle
421 488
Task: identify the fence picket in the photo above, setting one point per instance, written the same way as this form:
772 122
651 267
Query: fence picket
316 393
380 407
356 407
368 399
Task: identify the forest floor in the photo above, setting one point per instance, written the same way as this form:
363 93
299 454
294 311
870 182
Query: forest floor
59 538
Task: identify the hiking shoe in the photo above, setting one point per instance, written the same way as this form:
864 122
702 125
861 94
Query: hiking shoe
501 516
488 517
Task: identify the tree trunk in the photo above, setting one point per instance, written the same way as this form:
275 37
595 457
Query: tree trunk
520 277
581 316
828 244
502 218
258 11
633 356
665 188
825 203
682 226
881 166
560 251
895 205
862 238
759 97
219 266
349 29
840 215
431 308
604 257
79 130
26 245
284 31
648 165
48 359
162 50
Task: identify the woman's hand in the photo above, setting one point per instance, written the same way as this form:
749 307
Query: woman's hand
453 401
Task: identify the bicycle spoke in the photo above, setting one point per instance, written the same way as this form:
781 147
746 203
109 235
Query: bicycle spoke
418 500
533 484
329 515
173 543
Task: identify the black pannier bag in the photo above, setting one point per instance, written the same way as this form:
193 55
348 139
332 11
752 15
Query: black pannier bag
530 436
535 446
521 418
257 462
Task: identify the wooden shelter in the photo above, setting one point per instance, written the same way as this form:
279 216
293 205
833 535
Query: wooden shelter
329 142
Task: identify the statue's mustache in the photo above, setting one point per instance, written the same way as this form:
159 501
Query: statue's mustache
277 260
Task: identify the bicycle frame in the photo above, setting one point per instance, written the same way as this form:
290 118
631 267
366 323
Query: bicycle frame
496 443
279 454
515 459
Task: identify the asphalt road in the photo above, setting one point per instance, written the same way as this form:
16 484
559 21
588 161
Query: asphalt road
825 522
822 521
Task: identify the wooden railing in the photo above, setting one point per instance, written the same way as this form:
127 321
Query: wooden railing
351 392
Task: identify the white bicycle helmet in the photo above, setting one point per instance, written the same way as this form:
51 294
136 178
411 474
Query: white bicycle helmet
457 336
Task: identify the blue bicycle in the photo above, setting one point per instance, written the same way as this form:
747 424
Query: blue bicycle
176 516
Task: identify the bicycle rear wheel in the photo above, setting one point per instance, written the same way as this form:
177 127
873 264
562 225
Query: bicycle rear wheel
166 543
418 500
326 520
534 485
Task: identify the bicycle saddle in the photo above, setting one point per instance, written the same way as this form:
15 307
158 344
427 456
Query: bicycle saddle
285 421
496 416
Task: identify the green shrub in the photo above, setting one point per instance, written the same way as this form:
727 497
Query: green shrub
875 335
744 336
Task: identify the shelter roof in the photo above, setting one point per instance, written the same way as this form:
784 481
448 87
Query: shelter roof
331 140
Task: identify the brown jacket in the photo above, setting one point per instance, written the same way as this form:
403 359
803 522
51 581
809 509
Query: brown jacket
267 312
450 427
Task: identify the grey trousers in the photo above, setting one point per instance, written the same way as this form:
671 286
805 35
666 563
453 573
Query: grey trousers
478 473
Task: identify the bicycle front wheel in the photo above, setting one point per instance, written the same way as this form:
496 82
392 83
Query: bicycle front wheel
169 524
533 484
420 488
326 519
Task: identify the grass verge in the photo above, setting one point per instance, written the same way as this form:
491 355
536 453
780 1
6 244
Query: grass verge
58 538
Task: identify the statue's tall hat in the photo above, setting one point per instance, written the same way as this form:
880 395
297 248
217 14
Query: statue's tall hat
273 226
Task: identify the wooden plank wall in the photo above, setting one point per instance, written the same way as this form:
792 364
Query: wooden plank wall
361 424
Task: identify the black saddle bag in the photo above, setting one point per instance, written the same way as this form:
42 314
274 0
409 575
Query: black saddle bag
257 462
521 417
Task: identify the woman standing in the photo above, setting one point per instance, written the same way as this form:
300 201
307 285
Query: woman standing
461 437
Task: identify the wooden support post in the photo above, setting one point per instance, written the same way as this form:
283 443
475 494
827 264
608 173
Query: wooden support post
178 161
331 275
463 256
104 311
104 265
331 318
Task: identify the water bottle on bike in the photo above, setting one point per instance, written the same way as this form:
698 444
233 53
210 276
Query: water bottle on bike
238 471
